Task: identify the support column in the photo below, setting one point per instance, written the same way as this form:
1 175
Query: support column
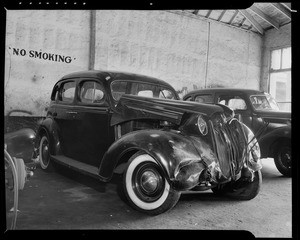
92 39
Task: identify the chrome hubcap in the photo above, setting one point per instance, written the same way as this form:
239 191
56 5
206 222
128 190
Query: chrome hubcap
45 152
149 181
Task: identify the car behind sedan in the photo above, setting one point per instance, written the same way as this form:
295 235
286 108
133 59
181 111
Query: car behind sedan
260 112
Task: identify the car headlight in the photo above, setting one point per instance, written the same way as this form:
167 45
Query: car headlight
202 125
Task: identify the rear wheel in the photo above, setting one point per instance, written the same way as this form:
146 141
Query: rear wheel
44 154
241 189
283 160
146 188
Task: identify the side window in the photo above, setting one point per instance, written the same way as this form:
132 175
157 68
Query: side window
234 102
67 91
206 98
142 89
167 94
54 94
118 88
188 98
91 92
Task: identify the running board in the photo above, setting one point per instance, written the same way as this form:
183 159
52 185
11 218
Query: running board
76 165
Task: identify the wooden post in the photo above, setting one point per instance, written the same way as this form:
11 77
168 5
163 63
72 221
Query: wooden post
92 39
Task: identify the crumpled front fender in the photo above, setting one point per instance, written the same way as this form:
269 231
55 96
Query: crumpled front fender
174 152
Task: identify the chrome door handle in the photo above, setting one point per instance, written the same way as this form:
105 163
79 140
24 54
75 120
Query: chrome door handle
71 112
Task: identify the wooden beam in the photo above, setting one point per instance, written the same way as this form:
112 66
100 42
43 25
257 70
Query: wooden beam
233 17
286 6
208 13
255 24
242 22
264 17
92 39
282 9
222 14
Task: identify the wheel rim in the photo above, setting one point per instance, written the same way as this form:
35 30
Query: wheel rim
44 152
147 182
146 187
286 158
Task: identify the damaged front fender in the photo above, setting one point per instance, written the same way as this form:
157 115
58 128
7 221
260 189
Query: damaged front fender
175 153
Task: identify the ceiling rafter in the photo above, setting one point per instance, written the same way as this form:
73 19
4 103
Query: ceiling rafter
233 17
195 12
221 15
242 22
282 9
286 6
264 16
255 24
208 13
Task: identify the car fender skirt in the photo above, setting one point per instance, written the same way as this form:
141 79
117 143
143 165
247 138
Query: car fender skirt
174 153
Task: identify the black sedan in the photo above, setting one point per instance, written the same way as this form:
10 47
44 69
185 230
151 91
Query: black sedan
103 122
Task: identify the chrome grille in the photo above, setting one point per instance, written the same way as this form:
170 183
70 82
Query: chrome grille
229 145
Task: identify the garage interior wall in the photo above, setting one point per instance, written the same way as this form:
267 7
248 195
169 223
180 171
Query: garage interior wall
189 53
273 39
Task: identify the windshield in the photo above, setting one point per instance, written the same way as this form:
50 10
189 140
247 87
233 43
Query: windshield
118 88
264 102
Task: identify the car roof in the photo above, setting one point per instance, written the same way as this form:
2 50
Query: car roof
115 75
223 90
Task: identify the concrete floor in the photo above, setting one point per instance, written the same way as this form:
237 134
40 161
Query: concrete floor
67 200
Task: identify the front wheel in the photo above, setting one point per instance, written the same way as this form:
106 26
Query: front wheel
146 188
241 189
283 160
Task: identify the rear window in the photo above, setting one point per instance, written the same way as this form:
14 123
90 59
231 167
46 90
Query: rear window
206 98
234 102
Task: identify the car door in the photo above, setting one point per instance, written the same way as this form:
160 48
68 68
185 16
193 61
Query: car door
238 103
63 115
93 114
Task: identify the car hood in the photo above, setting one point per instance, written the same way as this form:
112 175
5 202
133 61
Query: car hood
275 116
132 107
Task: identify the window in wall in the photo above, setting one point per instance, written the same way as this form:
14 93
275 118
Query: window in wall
280 77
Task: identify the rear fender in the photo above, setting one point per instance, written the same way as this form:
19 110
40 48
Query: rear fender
49 127
171 151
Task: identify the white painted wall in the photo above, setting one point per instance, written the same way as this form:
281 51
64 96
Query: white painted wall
29 80
161 44
174 48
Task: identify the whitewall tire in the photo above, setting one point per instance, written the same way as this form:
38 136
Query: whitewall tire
146 188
